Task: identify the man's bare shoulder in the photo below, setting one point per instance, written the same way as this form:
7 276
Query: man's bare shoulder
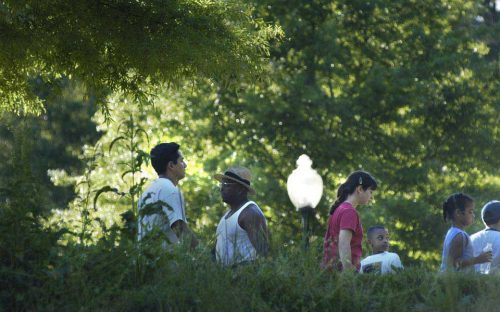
252 209
251 212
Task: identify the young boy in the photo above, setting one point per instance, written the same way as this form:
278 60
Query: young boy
489 238
381 261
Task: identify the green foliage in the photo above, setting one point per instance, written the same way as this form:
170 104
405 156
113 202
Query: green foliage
109 188
54 139
26 247
125 45
406 90
116 275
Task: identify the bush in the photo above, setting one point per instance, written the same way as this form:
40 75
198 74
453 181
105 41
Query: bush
116 275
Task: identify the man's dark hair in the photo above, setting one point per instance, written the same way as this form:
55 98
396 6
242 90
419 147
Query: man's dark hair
162 154
372 229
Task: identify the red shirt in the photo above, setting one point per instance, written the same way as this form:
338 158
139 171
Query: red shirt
345 217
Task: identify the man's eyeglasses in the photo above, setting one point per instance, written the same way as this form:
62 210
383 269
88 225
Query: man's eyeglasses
224 183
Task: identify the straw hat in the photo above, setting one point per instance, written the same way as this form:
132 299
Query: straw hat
240 175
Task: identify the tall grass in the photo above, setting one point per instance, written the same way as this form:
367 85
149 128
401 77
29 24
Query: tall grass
120 275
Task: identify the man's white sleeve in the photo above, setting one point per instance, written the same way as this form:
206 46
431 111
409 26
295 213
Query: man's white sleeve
174 212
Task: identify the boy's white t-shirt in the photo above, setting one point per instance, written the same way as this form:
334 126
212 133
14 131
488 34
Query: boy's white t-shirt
479 241
380 263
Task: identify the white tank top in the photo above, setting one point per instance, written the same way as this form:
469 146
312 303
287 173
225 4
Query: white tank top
233 245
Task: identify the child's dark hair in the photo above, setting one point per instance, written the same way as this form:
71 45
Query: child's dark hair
354 180
454 202
373 229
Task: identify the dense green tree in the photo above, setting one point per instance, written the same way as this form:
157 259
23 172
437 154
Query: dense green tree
121 45
52 140
30 147
406 90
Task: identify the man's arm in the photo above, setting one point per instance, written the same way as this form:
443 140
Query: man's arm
183 232
254 223
175 214
345 237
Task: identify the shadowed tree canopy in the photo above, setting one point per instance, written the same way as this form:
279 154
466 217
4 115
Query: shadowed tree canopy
121 45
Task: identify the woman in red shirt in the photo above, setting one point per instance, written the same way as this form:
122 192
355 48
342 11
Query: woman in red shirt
342 244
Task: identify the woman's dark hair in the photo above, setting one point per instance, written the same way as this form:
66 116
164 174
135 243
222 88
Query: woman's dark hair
354 180
454 202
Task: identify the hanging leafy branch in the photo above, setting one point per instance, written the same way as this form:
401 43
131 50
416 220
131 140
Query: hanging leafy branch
120 45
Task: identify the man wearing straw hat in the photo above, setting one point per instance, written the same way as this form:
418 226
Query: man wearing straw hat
242 231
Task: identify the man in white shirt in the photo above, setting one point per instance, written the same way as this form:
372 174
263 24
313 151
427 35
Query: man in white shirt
489 238
161 205
242 231
381 261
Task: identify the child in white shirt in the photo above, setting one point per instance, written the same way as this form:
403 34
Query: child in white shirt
489 238
381 261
